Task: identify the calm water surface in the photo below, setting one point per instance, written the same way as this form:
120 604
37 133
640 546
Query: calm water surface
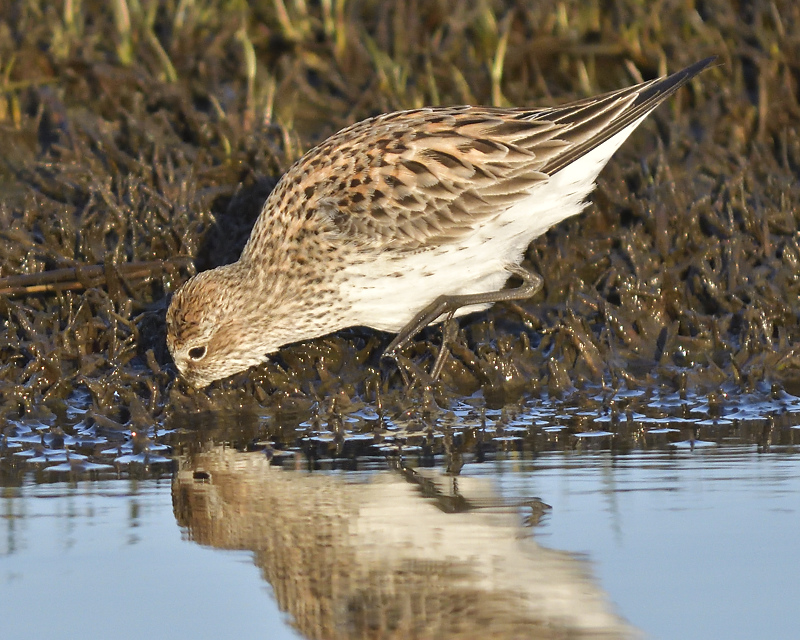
675 543
107 560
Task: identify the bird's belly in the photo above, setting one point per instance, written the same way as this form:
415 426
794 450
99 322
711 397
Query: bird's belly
388 298
387 291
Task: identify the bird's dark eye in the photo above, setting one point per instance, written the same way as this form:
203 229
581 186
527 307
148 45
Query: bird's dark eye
195 353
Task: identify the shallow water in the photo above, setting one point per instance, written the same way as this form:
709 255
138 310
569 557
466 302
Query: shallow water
676 543
698 544
106 560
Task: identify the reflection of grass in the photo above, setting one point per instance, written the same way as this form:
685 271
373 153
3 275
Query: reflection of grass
145 130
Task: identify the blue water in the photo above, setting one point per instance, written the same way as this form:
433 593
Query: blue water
699 544
674 543
106 560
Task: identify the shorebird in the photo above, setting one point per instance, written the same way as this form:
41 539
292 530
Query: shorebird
400 221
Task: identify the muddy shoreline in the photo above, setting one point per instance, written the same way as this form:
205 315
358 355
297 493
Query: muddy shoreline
160 140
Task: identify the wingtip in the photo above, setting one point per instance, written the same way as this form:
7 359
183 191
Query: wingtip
658 90
693 69
648 96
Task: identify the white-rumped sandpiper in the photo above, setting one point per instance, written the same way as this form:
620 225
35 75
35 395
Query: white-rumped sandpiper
402 220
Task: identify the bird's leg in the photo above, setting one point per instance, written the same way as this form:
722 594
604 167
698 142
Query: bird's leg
448 305
449 334
412 373
409 371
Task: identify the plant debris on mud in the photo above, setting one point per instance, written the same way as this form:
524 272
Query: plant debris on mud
141 139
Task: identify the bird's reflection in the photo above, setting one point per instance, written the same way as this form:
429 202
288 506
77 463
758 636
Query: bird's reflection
390 554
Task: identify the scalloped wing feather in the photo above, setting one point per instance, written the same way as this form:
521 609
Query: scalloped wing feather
416 179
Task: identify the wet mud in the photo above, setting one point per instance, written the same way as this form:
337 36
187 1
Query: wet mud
138 151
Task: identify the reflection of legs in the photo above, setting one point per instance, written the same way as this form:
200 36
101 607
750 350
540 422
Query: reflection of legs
448 305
